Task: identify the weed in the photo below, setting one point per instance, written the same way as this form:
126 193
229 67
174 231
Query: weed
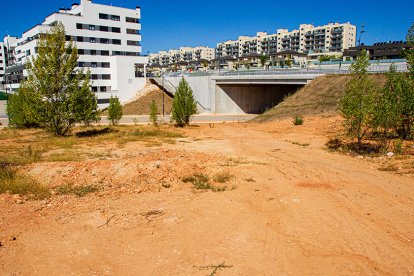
201 182
398 146
79 191
214 268
298 120
222 177
15 183
389 168
300 144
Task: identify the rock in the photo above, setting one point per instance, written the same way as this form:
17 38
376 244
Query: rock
390 154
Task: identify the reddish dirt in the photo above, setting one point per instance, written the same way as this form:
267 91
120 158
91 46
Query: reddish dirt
294 210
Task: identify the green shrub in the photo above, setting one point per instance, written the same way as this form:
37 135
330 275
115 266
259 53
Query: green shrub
153 113
114 110
184 105
298 120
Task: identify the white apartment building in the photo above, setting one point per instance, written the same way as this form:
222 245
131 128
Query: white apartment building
109 44
2 64
183 55
330 39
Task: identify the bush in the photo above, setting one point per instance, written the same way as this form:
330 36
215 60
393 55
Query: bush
153 113
184 105
298 120
114 110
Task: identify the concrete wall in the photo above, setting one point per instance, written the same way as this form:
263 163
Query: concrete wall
203 88
250 99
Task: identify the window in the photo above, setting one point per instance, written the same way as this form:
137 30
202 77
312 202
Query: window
115 17
106 77
103 88
79 39
68 38
103 101
94 77
92 27
104 41
79 26
92 40
28 53
116 30
116 41
94 89
103 28
132 20
132 43
103 16
105 53
81 64
132 31
93 52
81 51
105 65
94 64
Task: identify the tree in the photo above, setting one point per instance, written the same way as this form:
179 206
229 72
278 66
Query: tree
114 110
358 102
87 108
53 95
288 61
21 110
153 113
386 113
263 60
184 105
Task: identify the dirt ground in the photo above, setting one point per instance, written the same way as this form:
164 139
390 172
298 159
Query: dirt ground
290 208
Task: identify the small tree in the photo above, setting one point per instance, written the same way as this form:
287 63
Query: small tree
263 60
184 105
114 110
21 111
53 95
387 115
153 113
358 102
86 110
288 61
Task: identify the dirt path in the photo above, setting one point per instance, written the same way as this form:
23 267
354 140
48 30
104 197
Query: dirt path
297 210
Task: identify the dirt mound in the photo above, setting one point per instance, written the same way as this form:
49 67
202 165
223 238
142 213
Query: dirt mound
317 98
141 104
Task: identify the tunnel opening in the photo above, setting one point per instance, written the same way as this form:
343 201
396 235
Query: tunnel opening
251 98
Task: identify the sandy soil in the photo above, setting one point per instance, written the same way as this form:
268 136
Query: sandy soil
295 209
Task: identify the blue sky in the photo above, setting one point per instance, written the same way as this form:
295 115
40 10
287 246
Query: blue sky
170 24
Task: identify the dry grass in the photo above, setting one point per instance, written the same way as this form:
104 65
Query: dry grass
16 183
20 147
319 97
78 191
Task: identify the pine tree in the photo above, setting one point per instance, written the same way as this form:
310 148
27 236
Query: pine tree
184 105
54 92
114 110
153 113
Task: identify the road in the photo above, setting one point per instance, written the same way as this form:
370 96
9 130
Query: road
144 119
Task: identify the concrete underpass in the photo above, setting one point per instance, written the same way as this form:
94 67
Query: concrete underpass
250 98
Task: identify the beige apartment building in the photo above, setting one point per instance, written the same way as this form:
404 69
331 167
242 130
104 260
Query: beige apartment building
330 39
185 56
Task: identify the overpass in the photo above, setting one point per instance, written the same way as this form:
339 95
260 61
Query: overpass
240 92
